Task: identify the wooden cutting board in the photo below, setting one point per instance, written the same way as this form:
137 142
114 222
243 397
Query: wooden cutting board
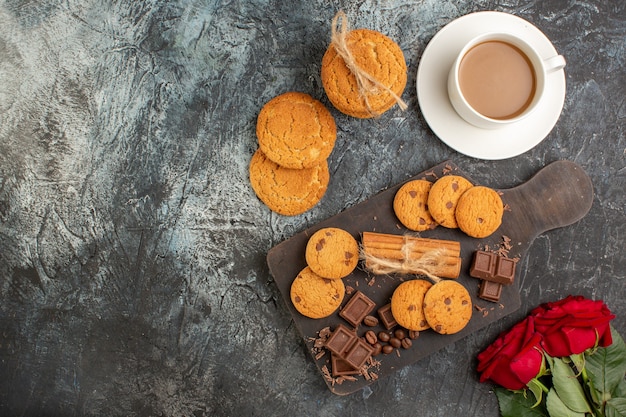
558 195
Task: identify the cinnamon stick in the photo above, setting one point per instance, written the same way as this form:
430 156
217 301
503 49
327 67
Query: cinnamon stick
386 253
383 266
383 240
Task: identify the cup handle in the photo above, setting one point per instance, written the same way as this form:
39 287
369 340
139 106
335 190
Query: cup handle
555 63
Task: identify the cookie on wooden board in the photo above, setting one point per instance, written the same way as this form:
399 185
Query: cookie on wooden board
447 307
407 304
332 253
410 205
443 198
479 211
316 297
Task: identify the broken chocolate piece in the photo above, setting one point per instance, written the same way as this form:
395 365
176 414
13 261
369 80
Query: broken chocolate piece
341 367
386 317
359 353
483 265
345 345
341 340
493 267
505 271
490 291
357 308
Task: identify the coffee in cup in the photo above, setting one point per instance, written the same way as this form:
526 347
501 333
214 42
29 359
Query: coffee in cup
498 79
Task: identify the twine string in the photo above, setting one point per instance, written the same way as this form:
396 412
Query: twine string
366 83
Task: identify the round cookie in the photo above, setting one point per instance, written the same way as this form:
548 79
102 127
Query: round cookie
411 206
479 211
332 253
316 297
296 131
447 307
287 191
406 304
443 198
378 56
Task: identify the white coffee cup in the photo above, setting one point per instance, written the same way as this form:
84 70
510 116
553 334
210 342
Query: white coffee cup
479 99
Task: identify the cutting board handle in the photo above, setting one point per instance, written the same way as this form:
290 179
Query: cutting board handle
558 195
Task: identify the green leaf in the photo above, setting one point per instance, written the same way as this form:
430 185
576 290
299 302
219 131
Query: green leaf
516 404
620 391
557 408
593 393
606 367
568 387
616 407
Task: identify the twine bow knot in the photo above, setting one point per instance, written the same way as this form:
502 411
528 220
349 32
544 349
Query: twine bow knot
366 83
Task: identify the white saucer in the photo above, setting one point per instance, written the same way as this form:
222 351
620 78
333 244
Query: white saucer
432 94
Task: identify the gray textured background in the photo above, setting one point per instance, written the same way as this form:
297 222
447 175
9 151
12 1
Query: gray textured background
133 279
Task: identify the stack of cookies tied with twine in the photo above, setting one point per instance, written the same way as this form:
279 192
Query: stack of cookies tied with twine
363 71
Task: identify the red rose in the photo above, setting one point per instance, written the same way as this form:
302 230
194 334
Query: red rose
573 325
514 358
